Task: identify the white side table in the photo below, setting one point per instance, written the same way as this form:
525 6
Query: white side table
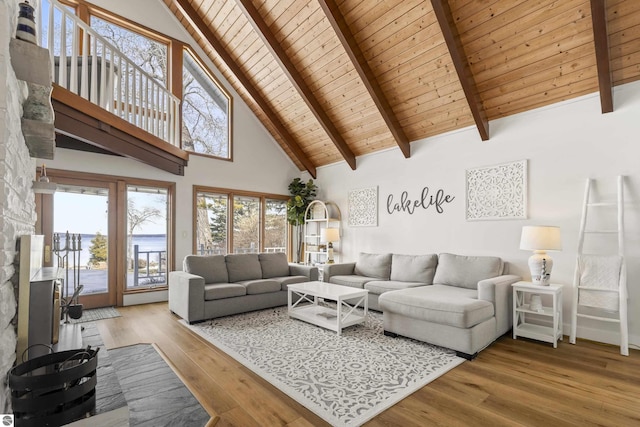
522 309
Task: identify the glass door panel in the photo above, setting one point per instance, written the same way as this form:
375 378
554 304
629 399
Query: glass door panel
147 213
81 243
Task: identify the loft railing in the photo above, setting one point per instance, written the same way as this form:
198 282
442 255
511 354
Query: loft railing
88 65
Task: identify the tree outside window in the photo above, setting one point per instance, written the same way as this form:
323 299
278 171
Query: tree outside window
205 111
218 213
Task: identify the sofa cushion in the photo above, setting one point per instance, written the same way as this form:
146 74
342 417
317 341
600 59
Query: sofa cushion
414 268
261 286
243 267
351 280
223 290
289 280
378 287
466 271
274 265
211 268
374 265
445 305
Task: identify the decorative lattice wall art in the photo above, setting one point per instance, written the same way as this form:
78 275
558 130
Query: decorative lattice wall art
497 192
363 207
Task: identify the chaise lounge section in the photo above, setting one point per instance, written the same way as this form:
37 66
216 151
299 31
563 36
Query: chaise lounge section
212 286
459 302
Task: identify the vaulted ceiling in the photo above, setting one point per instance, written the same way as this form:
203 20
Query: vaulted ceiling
335 79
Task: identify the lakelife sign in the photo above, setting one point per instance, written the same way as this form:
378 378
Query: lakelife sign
427 199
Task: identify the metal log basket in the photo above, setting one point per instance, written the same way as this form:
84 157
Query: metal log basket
54 389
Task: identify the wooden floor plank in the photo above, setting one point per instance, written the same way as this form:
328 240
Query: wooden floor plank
511 383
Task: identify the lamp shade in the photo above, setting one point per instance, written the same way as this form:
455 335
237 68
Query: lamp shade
330 235
540 238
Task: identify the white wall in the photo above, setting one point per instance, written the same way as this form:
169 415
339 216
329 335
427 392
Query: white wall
564 144
259 164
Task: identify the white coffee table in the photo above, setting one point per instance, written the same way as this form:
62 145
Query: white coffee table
307 307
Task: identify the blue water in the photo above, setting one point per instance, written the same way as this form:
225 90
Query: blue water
145 242
95 280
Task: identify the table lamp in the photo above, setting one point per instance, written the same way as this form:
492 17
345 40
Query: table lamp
330 235
540 239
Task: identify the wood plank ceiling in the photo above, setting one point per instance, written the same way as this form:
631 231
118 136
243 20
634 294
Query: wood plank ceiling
335 79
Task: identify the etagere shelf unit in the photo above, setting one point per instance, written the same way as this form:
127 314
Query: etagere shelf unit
318 216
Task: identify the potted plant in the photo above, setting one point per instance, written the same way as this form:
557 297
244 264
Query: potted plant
302 193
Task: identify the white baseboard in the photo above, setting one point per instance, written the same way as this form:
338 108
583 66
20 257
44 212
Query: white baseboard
601 335
145 297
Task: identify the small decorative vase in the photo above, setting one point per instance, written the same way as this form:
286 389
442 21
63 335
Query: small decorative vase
536 303
26 29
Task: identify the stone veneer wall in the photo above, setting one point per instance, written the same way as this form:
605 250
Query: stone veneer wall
17 209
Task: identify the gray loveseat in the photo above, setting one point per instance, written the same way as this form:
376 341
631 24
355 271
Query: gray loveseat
220 285
454 301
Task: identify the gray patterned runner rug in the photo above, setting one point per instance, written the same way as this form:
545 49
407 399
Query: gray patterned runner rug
346 380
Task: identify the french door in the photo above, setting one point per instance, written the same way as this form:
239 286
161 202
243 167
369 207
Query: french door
80 237
111 235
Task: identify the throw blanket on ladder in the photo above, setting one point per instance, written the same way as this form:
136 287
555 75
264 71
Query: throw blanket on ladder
601 272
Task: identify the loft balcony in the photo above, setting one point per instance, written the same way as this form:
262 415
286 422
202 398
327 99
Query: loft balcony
103 101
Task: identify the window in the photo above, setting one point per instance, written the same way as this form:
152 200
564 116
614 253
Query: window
229 222
146 53
211 228
206 110
43 20
246 224
275 226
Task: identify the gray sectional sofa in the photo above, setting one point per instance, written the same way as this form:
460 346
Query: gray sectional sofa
212 286
454 301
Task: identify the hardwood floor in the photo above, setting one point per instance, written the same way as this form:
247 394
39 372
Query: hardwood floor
513 382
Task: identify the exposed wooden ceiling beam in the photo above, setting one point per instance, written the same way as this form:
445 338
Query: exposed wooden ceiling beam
198 24
361 65
297 81
456 50
601 40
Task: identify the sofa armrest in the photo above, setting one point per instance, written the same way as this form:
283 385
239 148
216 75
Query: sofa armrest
342 269
498 291
311 272
186 295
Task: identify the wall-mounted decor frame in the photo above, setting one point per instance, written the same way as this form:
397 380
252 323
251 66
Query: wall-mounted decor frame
497 192
363 207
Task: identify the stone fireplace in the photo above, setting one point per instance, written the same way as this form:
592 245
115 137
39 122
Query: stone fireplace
17 172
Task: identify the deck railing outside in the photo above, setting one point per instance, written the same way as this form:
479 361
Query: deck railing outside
88 65
149 267
202 250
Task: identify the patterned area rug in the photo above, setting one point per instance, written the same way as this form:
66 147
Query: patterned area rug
96 314
346 380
